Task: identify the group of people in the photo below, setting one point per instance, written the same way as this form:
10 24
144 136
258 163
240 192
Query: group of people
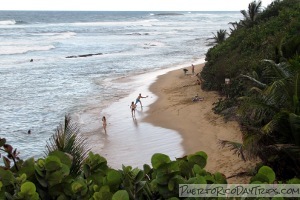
138 100
132 108
133 105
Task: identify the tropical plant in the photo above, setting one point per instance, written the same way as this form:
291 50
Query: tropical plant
218 38
50 178
235 26
68 139
12 155
254 9
271 117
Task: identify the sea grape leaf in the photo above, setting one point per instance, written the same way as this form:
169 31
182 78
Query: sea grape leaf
52 163
65 159
7 177
158 159
268 172
28 188
121 195
27 168
259 177
220 178
197 159
113 177
201 153
294 181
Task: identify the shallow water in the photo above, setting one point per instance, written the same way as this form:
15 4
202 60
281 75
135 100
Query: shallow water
36 95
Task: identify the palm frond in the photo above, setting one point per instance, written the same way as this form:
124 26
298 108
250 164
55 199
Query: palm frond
281 70
277 93
67 139
295 127
219 37
257 108
256 90
274 123
236 147
262 85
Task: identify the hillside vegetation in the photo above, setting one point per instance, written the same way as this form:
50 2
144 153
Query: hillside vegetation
261 58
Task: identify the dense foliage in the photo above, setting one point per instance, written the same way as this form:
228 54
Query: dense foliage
261 59
51 177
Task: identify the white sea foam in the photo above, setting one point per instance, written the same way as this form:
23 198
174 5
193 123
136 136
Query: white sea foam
23 49
8 22
117 23
62 35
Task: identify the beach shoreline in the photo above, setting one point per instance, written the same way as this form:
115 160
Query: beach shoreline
169 122
198 126
131 141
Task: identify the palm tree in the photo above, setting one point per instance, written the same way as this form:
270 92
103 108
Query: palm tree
67 139
235 26
271 118
254 9
218 38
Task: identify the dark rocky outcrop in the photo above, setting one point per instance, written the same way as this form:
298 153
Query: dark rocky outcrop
85 55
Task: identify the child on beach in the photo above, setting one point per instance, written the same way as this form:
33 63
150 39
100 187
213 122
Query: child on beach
132 107
138 99
104 123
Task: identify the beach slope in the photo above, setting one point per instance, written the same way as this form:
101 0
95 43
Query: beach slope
199 127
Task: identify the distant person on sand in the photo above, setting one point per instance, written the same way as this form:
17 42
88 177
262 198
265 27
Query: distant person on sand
193 69
138 99
104 123
132 107
197 98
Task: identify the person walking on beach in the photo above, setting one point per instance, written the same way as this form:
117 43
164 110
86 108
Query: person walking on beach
132 107
138 99
104 123
193 69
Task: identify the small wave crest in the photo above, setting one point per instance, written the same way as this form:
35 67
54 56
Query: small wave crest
8 22
24 49
62 35
11 22
118 23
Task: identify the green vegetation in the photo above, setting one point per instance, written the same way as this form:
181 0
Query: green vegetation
218 38
51 177
261 59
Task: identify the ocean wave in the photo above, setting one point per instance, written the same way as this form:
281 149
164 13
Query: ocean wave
57 36
118 23
11 22
8 22
24 49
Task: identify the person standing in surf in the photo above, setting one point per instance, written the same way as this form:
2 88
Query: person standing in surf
138 99
104 124
132 107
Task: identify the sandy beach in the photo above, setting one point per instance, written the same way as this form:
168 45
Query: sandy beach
169 122
199 127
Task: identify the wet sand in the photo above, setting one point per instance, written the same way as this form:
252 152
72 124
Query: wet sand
199 127
169 123
132 141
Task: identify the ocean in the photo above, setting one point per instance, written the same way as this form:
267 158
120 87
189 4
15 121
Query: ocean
78 60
